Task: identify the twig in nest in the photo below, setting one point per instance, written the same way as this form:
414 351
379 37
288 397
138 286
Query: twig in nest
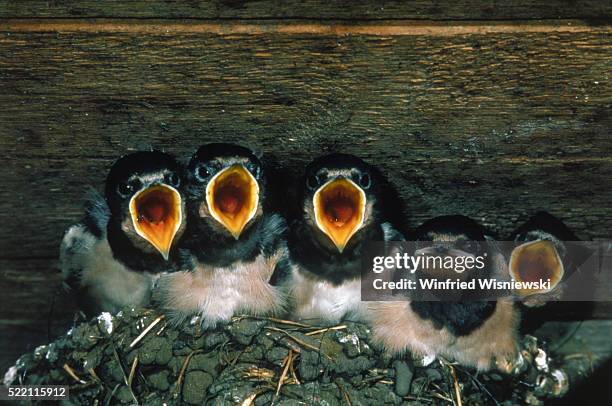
345 395
179 380
260 374
110 397
300 342
73 374
292 370
132 371
375 378
480 385
237 357
161 330
146 330
325 330
93 374
286 363
456 385
272 319
418 399
125 378
440 396
287 342
249 400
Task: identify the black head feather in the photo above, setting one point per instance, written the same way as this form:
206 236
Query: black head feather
211 158
209 152
452 225
362 173
119 187
546 226
546 222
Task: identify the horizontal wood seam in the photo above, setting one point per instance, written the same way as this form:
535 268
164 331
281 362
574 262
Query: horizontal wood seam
338 28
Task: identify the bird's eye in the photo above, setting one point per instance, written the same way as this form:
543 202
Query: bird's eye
173 179
365 181
202 173
124 189
313 182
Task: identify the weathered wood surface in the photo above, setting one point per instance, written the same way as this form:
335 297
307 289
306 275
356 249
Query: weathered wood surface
310 9
492 126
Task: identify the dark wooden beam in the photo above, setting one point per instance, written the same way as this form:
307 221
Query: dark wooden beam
309 9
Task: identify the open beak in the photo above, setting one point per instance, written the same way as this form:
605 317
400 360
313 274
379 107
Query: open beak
157 214
534 261
232 196
339 207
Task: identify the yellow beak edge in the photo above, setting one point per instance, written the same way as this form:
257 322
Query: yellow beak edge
534 261
157 215
232 196
339 207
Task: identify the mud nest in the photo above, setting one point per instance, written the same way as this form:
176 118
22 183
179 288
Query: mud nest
135 357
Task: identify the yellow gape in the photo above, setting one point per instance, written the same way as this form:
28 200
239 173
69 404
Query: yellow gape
535 261
339 207
232 196
157 215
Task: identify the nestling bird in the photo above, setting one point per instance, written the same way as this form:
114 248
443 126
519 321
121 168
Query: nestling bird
112 258
545 248
234 246
477 333
340 211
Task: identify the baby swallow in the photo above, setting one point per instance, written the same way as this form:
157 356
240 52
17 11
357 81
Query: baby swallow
340 212
127 237
545 248
477 333
234 246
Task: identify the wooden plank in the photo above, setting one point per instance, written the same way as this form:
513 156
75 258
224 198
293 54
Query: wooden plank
291 27
494 126
34 308
310 9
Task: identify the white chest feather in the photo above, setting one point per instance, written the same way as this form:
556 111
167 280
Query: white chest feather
318 301
218 293
106 281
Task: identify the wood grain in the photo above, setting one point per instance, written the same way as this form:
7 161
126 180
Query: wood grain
493 126
309 9
335 28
